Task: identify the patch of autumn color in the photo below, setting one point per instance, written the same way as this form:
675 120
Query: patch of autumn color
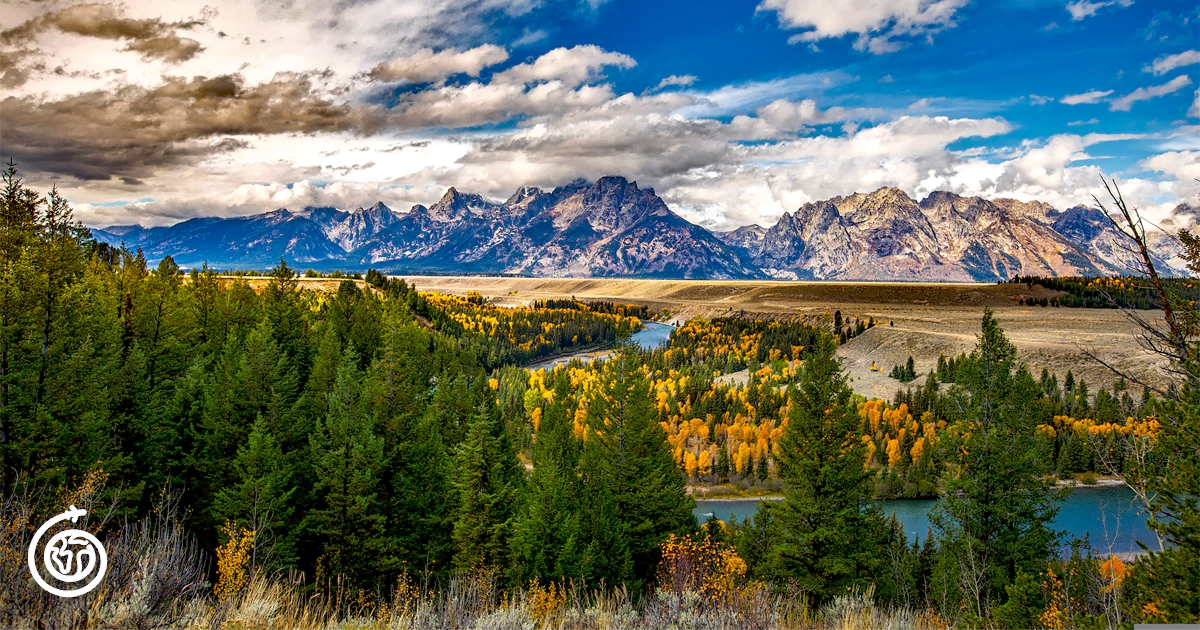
1145 428
233 561
546 603
1114 571
705 566
1059 603
893 452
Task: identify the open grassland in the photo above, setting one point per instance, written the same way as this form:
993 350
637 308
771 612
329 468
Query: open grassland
923 320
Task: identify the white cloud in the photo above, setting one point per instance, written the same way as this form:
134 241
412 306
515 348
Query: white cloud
742 97
1167 63
1194 110
1183 166
426 66
675 79
571 66
1085 98
1082 9
1124 103
876 23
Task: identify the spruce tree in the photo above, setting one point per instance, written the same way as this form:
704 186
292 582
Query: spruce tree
260 499
486 482
546 533
827 534
626 454
997 504
347 457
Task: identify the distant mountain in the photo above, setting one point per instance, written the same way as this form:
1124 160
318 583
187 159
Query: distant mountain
886 235
613 228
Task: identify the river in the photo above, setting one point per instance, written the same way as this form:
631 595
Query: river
651 336
1107 515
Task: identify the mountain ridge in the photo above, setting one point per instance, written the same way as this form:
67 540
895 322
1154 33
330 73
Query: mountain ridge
614 228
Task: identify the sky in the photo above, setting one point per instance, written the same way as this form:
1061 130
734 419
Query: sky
734 112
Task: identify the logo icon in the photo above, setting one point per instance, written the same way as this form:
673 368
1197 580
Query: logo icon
70 556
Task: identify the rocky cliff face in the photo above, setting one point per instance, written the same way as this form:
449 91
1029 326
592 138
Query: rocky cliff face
886 235
614 228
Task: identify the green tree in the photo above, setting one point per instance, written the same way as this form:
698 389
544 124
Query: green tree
997 503
260 498
827 534
546 534
487 482
627 456
347 457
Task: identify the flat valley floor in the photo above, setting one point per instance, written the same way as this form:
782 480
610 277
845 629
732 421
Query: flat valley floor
923 320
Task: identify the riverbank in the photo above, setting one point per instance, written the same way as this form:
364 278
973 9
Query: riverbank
729 492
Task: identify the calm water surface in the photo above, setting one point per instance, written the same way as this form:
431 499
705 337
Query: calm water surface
1108 516
653 335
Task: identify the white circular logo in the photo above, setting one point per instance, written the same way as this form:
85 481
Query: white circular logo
69 556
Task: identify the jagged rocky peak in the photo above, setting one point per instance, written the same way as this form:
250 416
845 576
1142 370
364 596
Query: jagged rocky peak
377 209
455 205
939 198
1037 210
883 198
523 195
942 205
747 237
278 215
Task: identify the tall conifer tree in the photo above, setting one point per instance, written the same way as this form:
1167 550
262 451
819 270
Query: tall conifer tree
828 534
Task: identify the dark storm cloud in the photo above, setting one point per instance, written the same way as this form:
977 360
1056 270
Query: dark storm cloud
153 38
131 131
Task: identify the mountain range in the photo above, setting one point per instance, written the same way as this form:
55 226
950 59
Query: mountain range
613 228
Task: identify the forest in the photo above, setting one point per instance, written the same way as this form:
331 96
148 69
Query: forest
1118 292
376 456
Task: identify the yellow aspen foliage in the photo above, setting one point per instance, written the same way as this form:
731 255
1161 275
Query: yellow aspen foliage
690 463
536 418
918 449
742 458
710 568
580 421
704 462
893 452
233 561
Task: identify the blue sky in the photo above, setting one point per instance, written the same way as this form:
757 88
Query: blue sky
734 111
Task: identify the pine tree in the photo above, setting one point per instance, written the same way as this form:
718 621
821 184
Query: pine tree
260 499
827 534
347 457
722 467
546 533
419 501
626 453
995 511
486 482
